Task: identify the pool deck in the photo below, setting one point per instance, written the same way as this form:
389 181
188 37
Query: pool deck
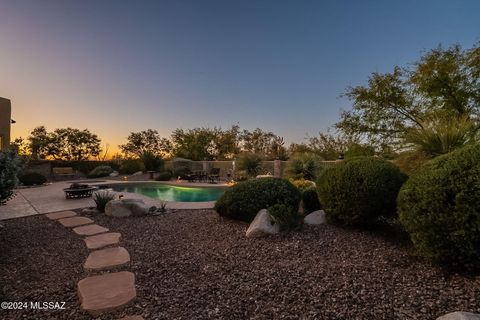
51 198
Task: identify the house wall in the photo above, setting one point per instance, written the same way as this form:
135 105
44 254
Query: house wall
5 123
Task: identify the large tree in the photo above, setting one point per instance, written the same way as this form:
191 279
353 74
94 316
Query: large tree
148 141
264 143
442 86
63 144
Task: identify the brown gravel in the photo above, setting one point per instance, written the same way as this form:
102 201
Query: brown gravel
195 265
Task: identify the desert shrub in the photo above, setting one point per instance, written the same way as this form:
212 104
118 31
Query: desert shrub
151 161
245 199
359 192
100 171
310 200
440 208
164 176
286 216
304 165
101 198
32 178
181 172
131 166
359 150
302 184
83 166
410 161
9 168
249 163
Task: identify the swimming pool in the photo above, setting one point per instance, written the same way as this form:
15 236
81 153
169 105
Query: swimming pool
167 192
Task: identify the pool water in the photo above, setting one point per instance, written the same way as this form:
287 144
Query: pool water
172 193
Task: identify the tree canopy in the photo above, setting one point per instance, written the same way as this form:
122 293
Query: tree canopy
443 86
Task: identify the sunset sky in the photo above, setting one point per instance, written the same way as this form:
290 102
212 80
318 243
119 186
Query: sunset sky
120 66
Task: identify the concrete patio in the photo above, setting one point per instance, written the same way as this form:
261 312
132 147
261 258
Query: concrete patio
51 198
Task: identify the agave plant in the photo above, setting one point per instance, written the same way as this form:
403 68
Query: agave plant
442 135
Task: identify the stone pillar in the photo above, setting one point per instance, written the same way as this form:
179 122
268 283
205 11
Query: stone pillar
277 168
205 165
5 122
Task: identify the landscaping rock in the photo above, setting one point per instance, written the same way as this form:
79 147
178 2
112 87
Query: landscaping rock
107 292
102 240
114 174
107 258
126 208
316 218
75 221
91 210
460 315
132 318
262 225
138 173
89 230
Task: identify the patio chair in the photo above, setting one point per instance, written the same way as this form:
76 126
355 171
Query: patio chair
214 175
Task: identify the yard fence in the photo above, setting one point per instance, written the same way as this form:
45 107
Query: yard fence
275 167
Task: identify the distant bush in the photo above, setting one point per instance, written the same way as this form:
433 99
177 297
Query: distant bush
102 197
358 192
181 172
131 166
306 165
286 216
310 200
9 168
151 161
302 184
356 150
32 178
100 171
83 166
164 176
440 207
250 164
245 199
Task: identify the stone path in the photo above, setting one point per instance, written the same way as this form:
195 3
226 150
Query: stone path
104 292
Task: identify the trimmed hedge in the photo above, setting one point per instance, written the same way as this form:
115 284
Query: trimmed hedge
310 200
440 207
286 216
100 171
164 176
131 166
358 192
245 199
32 178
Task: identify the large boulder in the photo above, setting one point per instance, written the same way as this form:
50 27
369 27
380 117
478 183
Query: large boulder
316 218
262 225
460 315
126 208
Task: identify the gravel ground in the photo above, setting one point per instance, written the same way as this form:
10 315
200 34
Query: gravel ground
195 265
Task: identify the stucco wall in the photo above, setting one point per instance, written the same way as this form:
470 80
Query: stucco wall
5 119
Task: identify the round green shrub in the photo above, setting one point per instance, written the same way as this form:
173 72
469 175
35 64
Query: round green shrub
440 208
164 176
131 166
286 216
358 192
100 171
9 168
245 199
181 172
32 178
310 200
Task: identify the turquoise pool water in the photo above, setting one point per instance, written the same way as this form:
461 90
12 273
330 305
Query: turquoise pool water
172 193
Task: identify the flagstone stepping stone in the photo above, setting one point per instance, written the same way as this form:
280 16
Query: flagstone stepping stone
132 318
60 215
107 258
107 292
102 240
75 221
89 230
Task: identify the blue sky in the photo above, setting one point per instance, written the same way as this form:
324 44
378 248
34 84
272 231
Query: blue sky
121 66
